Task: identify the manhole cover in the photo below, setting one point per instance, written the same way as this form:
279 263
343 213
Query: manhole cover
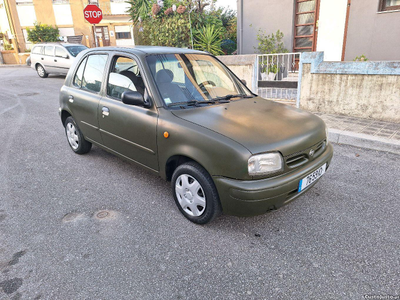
102 214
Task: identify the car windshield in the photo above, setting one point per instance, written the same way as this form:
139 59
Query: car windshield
190 79
74 50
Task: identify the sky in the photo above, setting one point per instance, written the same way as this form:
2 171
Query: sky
225 3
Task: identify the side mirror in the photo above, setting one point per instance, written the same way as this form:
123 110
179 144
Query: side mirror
244 81
133 98
66 56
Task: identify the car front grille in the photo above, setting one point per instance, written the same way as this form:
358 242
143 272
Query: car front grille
300 158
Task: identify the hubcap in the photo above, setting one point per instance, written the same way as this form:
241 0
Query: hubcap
190 194
40 71
72 136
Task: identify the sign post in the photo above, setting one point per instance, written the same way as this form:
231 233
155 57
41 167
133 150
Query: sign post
93 14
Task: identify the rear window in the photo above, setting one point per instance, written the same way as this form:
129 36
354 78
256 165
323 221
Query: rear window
93 74
37 50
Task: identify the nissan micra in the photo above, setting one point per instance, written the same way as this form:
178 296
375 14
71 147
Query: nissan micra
185 116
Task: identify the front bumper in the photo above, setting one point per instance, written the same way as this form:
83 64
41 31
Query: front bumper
255 197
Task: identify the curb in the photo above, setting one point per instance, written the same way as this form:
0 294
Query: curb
13 66
364 141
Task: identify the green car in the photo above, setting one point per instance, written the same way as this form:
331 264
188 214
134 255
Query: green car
185 116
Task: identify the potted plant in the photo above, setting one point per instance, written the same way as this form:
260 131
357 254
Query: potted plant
272 71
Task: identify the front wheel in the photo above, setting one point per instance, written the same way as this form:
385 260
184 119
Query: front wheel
195 193
41 71
75 137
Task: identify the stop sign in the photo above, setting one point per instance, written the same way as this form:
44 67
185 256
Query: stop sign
92 14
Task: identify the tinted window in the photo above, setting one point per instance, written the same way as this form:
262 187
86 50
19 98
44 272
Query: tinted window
37 50
93 74
79 74
74 50
60 52
49 50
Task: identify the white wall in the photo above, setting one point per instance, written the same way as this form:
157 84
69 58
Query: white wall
332 19
4 26
119 8
124 42
26 15
62 14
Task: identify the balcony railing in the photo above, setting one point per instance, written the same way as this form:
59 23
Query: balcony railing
278 75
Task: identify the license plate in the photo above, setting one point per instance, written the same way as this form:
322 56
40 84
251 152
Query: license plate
306 181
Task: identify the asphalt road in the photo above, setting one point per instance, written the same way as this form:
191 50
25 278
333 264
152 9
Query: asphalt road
339 241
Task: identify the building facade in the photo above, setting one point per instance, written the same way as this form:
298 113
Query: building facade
16 16
343 29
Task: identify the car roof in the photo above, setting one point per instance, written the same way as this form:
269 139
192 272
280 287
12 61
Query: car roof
144 50
59 44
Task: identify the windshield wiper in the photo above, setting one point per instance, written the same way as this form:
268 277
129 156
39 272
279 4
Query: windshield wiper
191 103
228 97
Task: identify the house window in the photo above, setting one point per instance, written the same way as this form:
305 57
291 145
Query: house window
386 5
123 35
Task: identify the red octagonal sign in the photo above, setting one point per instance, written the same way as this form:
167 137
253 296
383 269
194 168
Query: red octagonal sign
92 14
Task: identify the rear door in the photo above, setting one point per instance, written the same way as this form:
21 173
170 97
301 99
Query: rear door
84 94
127 129
48 59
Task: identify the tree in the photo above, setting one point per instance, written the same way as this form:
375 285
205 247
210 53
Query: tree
43 33
139 10
209 39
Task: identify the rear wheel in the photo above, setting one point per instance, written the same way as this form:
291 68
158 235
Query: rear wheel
195 193
41 71
75 137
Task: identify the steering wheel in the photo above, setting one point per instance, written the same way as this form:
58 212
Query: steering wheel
204 83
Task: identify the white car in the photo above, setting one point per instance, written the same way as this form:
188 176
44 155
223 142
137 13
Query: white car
54 58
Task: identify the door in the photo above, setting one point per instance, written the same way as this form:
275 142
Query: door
102 32
84 95
127 129
62 60
48 59
306 25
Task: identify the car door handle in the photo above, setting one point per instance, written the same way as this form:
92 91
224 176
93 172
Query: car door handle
105 111
55 60
71 99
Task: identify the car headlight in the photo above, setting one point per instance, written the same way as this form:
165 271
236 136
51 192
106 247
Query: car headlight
263 164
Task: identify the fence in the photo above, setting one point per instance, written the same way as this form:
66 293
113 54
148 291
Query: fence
277 75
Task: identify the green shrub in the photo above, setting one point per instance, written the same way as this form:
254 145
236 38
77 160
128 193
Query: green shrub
43 33
271 43
209 39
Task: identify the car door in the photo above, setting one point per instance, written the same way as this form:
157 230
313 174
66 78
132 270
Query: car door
127 129
84 94
48 59
62 60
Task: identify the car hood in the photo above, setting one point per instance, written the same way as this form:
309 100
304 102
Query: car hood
260 125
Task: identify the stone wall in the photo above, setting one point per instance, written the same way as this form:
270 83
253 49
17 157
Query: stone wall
359 89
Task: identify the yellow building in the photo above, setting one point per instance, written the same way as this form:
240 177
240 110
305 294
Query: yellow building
115 29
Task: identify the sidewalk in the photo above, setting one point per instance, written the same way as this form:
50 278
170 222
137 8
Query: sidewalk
360 132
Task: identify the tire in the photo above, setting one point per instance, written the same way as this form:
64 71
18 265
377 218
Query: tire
41 71
195 193
75 137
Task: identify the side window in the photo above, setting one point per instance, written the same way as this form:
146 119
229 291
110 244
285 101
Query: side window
49 50
37 50
79 74
60 52
124 76
93 74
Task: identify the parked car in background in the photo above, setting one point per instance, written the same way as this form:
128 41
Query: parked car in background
54 58
185 116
